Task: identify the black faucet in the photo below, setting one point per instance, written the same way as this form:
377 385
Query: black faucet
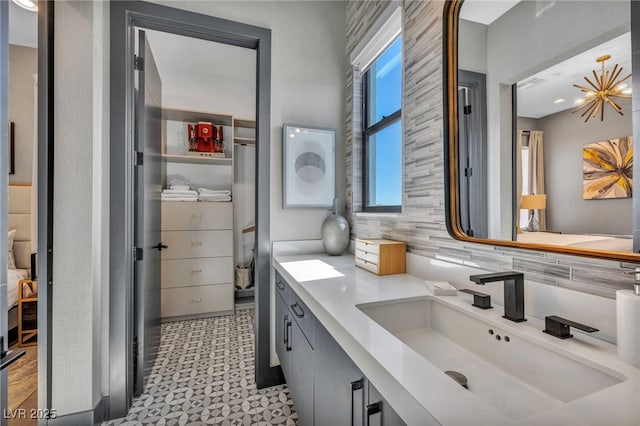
513 292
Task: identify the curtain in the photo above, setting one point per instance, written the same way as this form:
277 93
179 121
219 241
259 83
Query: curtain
536 173
34 170
518 179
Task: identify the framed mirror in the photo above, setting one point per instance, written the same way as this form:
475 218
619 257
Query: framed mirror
539 129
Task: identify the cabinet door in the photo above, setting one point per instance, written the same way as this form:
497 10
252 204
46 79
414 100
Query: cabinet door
378 411
339 385
283 333
300 379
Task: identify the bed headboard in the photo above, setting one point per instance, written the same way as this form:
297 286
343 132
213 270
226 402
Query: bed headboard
20 220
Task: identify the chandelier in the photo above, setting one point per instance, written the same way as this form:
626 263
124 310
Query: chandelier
604 87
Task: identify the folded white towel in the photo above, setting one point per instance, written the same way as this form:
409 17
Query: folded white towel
215 199
180 199
206 191
180 187
179 192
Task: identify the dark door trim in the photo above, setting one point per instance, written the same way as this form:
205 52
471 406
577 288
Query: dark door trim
124 16
45 147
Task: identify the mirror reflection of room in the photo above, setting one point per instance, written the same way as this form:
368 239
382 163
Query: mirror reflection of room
22 287
558 157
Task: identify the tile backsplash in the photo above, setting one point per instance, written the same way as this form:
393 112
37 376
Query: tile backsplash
422 223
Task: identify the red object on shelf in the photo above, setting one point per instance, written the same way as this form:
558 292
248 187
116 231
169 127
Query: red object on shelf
219 144
191 133
205 137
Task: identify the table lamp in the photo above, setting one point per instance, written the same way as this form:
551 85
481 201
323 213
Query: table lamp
533 202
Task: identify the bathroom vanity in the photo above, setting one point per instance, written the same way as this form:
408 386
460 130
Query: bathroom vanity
376 349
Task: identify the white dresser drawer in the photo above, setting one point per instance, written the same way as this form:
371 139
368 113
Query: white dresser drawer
369 257
196 300
184 216
371 267
197 244
368 247
192 272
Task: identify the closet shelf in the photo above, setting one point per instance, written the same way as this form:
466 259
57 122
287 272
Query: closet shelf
194 159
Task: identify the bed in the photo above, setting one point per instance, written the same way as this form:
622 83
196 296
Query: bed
596 242
20 221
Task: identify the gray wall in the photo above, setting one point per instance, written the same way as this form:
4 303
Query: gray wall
472 42
422 223
80 227
565 134
307 86
23 64
308 57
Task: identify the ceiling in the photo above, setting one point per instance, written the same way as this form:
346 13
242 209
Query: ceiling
537 93
485 11
191 70
23 26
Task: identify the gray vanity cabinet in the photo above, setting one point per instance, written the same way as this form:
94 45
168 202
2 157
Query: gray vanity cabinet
300 378
283 331
326 386
339 386
294 349
378 411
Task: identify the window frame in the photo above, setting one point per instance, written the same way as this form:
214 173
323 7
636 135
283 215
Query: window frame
373 129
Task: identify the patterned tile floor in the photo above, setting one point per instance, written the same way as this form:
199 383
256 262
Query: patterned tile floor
204 375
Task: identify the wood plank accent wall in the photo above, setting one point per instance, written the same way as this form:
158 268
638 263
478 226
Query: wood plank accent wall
422 223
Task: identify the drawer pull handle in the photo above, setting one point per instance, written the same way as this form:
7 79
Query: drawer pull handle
196 243
196 300
356 386
196 216
285 338
288 327
372 409
295 308
196 271
280 284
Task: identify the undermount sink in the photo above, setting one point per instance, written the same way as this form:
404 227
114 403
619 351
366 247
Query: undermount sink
515 376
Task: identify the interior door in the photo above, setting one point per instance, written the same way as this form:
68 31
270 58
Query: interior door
148 186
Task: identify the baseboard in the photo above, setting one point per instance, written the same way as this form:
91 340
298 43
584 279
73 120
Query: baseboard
89 417
275 378
101 411
196 316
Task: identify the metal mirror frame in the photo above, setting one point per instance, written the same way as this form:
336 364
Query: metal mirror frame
451 13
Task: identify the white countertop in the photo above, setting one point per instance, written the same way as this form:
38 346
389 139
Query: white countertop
331 286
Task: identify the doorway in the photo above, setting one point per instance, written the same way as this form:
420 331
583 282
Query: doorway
26 210
125 16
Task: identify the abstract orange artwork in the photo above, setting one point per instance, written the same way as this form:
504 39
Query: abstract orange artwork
607 169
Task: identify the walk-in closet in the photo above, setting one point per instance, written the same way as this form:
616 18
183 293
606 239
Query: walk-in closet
208 160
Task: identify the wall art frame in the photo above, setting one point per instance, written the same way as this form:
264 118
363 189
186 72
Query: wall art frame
309 167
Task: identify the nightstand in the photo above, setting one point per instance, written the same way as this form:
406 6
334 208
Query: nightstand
27 314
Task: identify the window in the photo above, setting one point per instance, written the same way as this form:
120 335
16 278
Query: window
382 131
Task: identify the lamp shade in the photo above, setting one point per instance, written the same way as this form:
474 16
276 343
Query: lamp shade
534 202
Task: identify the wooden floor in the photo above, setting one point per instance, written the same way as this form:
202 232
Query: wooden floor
23 385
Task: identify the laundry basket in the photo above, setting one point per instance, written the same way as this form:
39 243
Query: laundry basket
243 276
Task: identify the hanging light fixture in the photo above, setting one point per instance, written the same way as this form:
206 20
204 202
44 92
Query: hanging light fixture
30 5
605 87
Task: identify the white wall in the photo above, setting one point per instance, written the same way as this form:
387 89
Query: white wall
80 228
23 64
528 38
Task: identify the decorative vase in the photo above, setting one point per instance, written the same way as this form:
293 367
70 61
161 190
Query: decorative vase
335 233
